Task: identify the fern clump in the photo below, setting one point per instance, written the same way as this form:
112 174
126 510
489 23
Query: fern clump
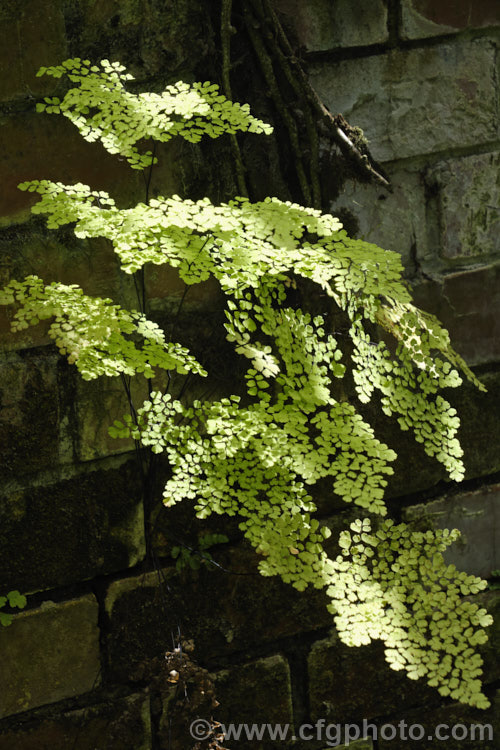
260 456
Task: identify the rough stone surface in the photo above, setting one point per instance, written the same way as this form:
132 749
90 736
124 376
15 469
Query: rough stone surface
349 684
250 610
258 692
48 654
477 516
321 25
70 511
41 146
394 221
98 403
29 414
479 426
44 146
468 206
166 290
414 471
32 34
72 530
426 18
119 725
468 304
152 39
436 727
417 101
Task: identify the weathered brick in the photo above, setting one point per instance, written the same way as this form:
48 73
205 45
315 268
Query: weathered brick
71 530
468 205
124 724
29 414
416 101
258 692
476 515
322 25
157 604
394 221
468 304
433 728
48 654
426 18
32 33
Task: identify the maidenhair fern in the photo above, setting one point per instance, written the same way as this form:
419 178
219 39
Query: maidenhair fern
259 457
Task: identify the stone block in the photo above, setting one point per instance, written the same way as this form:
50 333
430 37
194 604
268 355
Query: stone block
425 18
453 726
394 221
321 25
32 34
416 101
258 692
145 611
468 197
49 654
476 515
468 305
71 530
123 724
29 414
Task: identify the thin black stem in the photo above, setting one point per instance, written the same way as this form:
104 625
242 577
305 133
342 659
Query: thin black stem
139 284
147 180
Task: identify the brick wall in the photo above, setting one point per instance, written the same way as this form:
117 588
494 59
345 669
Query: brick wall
422 79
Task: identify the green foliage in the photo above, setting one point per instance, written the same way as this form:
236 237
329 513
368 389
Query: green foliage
13 599
93 333
102 109
260 456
